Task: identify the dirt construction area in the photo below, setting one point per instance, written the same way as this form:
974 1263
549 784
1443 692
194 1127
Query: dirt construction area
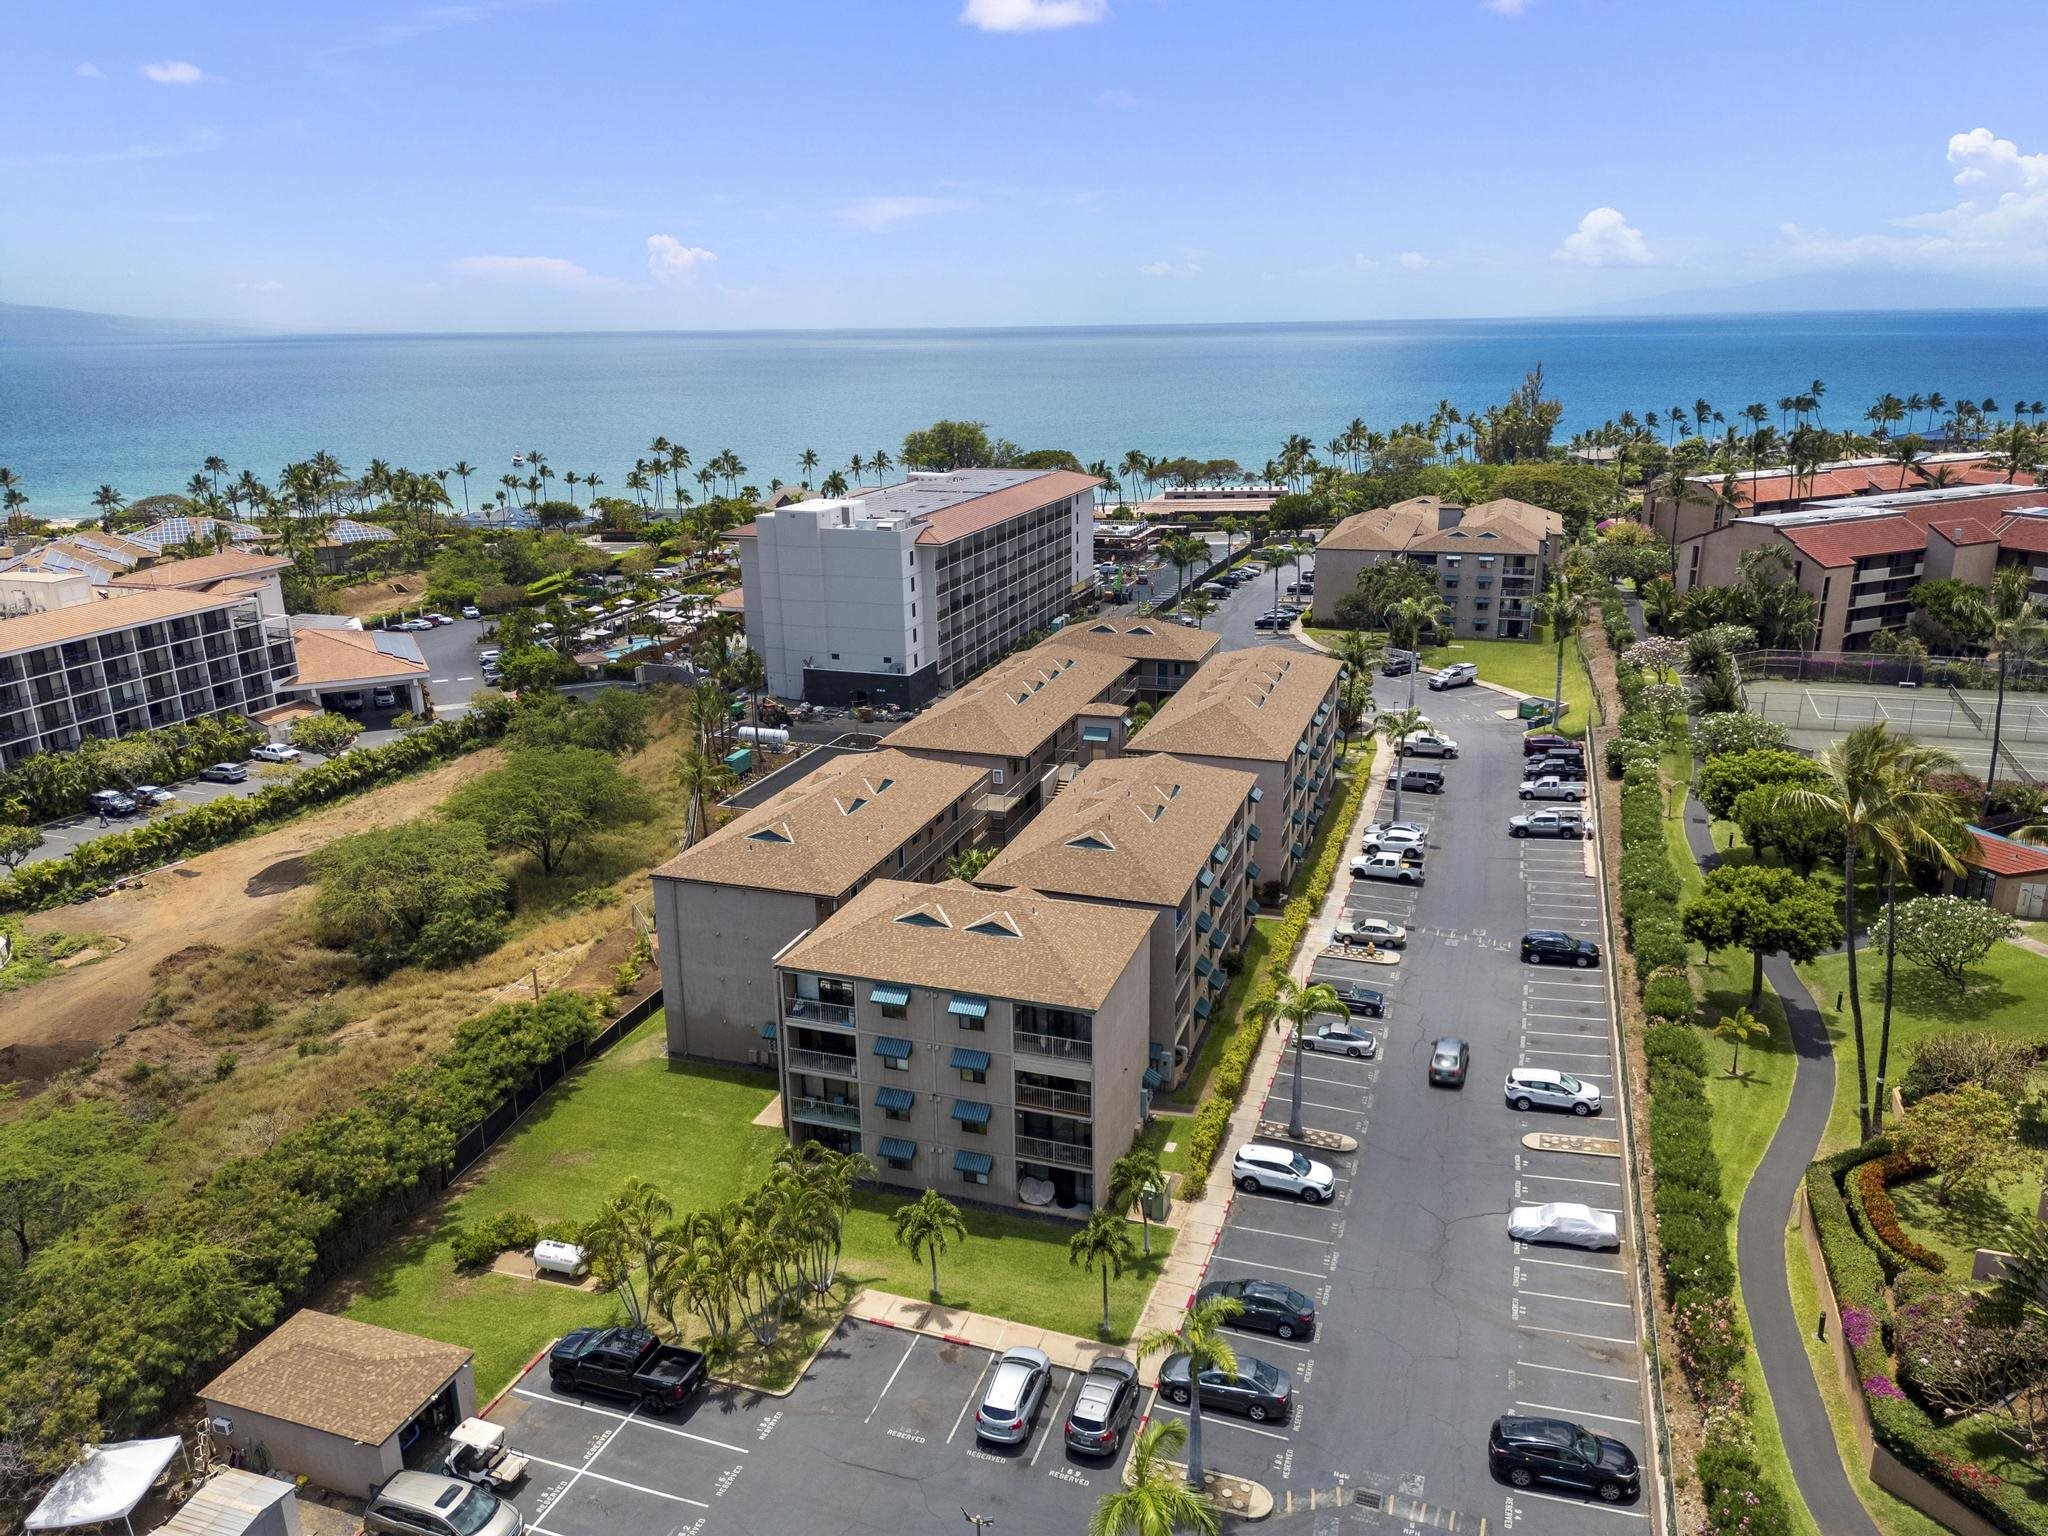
210 902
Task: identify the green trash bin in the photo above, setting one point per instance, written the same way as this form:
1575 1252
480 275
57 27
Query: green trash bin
1157 1202
1530 709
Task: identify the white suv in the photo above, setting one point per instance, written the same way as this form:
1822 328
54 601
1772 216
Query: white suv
1432 744
1394 839
1539 1087
1388 865
1260 1165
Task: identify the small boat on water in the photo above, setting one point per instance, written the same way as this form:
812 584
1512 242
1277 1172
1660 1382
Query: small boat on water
518 460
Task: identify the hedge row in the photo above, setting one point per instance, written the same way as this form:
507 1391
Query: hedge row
180 833
1870 1205
1856 1272
1226 1084
1614 620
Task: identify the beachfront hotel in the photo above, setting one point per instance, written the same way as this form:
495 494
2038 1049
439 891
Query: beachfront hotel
896 594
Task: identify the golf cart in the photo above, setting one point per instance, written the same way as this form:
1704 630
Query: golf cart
477 1454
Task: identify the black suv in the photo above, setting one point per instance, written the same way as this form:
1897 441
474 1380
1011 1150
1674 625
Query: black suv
1569 766
1361 1000
1425 781
1546 946
1269 1306
1564 1455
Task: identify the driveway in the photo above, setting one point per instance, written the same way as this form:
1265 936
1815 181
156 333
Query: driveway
1433 1322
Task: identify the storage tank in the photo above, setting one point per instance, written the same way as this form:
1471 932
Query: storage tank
764 735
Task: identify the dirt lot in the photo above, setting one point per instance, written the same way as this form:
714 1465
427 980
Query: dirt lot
180 915
371 598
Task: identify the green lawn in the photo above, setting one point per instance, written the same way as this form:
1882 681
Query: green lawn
688 1130
2008 995
1523 665
1255 959
1970 1222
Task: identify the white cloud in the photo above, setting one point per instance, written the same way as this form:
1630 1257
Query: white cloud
1507 7
89 71
1605 239
544 271
671 261
1980 155
175 72
875 213
1414 261
1169 268
1994 235
1363 262
1032 15
1116 96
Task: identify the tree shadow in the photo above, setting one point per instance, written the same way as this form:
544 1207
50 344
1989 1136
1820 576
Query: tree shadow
1922 992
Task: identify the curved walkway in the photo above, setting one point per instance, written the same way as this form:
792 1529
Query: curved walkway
1760 1243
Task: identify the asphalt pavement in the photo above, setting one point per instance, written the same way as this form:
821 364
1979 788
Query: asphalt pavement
1433 1321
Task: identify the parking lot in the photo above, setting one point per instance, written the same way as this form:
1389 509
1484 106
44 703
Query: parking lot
878 1438
1433 1322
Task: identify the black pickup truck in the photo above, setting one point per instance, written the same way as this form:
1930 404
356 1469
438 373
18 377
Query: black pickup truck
625 1362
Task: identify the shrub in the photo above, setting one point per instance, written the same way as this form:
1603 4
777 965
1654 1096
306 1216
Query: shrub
1658 940
1945 1062
479 1242
1668 997
1871 1203
1739 1495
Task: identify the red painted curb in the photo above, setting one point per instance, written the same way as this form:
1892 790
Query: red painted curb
539 1355
954 1338
879 1322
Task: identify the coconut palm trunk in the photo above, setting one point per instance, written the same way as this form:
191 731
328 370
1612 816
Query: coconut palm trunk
1294 1108
1196 1477
1997 729
1884 1028
1855 994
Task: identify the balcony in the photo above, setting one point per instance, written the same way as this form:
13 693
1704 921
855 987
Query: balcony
809 1010
1060 1101
834 1063
823 1112
1060 1047
1039 1150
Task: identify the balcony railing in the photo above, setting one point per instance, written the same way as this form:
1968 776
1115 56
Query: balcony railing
1061 1101
1063 1047
820 1111
1039 1150
838 1063
809 1010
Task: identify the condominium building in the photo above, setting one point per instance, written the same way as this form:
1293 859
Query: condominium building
988 1044
1030 723
1168 837
106 666
1271 712
724 907
1489 561
895 594
1713 501
1163 654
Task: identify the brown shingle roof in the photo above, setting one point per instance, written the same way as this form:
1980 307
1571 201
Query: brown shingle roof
830 829
1382 528
1142 639
334 656
338 1376
1253 704
1127 829
115 611
1016 705
1012 944
202 569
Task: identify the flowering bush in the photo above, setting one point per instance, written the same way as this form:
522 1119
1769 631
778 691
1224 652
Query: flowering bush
1858 1327
1874 1201
1738 733
1660 654
1881 1386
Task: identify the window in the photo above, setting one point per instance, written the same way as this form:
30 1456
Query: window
974 1127
835 655
972 1075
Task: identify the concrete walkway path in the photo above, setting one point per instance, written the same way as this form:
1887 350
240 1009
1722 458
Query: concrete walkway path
1766 1212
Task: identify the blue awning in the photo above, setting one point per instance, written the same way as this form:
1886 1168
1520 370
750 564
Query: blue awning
1203 922
894 1098
890 997
968 1007
1205 879
1298 817
1219 853
768 1031
970 1112
1202 965
1251 871
890 1046
973 1162
1301 746
1201 1007
1095 733
1154 1078
966 1059
1252 831
1251 907
896 1147
1258 794
1157 1052
1300 849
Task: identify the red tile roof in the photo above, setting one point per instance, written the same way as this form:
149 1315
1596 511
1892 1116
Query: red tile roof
2001 856
1764 492
1842 543
957 522
2029 534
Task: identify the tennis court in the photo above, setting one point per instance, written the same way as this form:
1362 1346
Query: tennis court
1956 719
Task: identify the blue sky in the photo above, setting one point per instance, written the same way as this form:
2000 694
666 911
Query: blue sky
570 164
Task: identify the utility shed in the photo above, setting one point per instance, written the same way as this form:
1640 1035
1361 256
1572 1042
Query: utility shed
237 1503
344 1404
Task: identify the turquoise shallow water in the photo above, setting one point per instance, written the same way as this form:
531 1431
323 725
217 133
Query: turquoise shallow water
142 415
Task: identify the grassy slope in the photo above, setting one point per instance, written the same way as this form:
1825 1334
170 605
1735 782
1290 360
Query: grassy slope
688 1131
2008 995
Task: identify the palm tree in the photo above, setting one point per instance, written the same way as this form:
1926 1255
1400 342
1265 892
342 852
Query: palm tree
1199 604
1201 1338
2017 629
1103 1244
925 1226
809 460
881 463
1185 552
1293 1004
834 484
1397 726
462 470
1150 1502
1563 607
571 479
1131 1177
1874 784
110 502
1737 1030
704 779
858 465
215 466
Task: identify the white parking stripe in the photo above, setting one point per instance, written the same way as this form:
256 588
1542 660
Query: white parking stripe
617 1482
972 1399
1558 1178
1567 1370
1583 1300
1584 1269
1569 1055
1564 1034
666 1429
1210 1418
1588 1504
1297 1237
1566 1333
1311 1274
890 1382
1299 1349
1586 1413
1058 1417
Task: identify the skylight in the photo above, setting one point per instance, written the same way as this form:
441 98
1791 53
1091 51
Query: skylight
925 917
774 834
1092 842
996 925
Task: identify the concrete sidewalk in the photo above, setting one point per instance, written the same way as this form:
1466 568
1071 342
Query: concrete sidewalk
957 1326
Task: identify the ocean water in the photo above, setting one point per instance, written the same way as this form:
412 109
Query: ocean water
142 415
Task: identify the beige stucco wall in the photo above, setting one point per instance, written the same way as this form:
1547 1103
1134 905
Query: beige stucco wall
292 1450
718 945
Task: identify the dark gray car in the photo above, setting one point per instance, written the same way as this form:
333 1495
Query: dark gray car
1104 1407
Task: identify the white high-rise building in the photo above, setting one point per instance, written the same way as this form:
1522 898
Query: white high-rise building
896 594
